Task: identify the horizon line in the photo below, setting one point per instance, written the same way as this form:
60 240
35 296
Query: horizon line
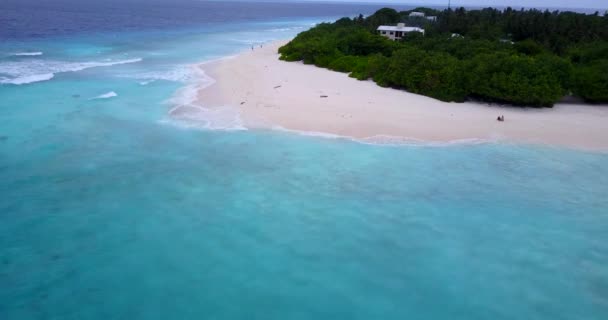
417 4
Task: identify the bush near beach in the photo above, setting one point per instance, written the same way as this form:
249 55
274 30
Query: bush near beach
530 58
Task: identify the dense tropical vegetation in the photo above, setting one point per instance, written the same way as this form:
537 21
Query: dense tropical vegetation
521 57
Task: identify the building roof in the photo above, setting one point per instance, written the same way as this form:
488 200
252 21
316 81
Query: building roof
397 28
417 14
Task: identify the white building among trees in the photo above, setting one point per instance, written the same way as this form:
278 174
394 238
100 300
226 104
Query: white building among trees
397 33
417 14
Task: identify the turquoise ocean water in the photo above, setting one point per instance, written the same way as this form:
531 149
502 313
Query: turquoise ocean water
110 208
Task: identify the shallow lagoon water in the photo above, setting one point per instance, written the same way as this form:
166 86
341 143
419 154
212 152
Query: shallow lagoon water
111 209
154 222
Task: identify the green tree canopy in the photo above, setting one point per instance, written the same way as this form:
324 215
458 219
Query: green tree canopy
525 57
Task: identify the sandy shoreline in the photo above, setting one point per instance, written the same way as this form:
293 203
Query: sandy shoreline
267 93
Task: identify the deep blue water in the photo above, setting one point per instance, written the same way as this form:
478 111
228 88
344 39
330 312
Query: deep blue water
110 208
35 18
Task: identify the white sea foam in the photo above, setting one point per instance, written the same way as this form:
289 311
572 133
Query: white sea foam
27 79
28 54
309 133
185 111
107 95
145 83
198 117
386 140
23 72
197 81
183 73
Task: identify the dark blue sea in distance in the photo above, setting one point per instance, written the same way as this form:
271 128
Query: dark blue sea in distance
34 18
111 208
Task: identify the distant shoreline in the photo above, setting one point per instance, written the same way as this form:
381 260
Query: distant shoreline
268 93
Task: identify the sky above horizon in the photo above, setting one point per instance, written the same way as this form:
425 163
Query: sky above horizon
513 3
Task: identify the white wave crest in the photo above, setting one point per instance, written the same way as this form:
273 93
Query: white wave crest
198 117
183 73
145 83
28 54
387 140
185 111
107 95
20 71
28 79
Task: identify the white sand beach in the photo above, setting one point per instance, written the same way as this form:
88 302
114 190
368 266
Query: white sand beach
270 93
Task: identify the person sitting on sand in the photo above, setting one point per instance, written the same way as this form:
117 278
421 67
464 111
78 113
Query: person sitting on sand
501 118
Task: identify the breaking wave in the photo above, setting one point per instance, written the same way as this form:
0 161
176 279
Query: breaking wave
108 95
28 54
28 79
186 112
146 82
183 73
23 72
